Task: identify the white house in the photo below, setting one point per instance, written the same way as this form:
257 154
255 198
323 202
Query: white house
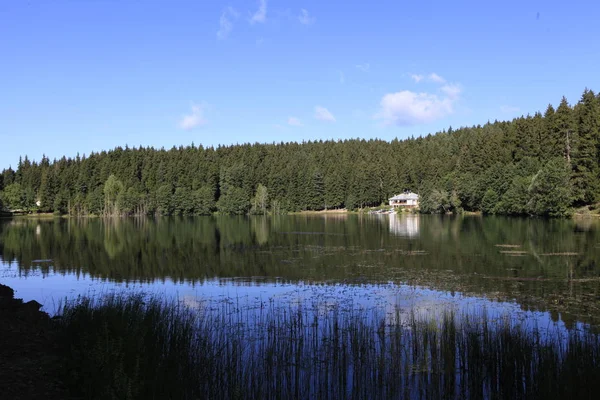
406 199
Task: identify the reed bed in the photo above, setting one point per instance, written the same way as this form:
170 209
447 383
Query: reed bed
126 346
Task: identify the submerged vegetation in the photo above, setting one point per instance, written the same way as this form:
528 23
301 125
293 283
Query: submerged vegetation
549 265
131 346
534 165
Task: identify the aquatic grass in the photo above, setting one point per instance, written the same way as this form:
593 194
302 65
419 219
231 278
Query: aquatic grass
126 346
131 346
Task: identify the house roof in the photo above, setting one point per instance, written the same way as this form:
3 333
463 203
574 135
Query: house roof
406 196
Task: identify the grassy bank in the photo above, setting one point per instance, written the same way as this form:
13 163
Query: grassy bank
131 347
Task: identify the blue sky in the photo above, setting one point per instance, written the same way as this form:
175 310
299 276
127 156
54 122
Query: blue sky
86 75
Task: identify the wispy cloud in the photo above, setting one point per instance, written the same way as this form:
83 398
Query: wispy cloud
293 121
452 90
226 22
364 67
305 17
433 77
195 118
342 77
411 108
260 15
323 114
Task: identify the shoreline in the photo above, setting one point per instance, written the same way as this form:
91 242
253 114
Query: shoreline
48 216
30 361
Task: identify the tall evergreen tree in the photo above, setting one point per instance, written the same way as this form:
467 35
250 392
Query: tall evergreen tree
586 169
460 168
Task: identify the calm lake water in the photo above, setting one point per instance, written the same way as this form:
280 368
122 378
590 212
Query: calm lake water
547 270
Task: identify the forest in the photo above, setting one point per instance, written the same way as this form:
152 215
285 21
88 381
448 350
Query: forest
544 164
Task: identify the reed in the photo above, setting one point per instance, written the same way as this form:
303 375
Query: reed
125 346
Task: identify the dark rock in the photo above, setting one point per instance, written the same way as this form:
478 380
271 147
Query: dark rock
29 351
33 305
6 293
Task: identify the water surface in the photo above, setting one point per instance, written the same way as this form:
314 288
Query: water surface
542 266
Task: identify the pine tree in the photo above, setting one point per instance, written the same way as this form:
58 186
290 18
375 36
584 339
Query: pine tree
453 169
204 201
551 140
47 191
550 190
586 170
563 126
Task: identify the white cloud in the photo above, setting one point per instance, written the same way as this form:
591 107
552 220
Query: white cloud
433 77
410 108
323 114
451 90
261 14
342 77
195 119
226 22
293 121
364 67
305 18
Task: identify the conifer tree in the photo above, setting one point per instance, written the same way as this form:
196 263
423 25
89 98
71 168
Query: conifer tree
585 167
450 170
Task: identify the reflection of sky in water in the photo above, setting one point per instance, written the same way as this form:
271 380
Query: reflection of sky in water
396 301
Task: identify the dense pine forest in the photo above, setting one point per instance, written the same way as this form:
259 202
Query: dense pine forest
545 164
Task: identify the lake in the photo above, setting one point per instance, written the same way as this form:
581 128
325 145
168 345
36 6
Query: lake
547 270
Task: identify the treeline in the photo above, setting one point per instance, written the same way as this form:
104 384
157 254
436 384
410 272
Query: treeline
544 164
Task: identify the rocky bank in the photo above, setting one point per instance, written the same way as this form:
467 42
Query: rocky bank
30 362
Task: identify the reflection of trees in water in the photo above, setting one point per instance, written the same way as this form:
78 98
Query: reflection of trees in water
459 244
584 224
452 253
114 241
260 227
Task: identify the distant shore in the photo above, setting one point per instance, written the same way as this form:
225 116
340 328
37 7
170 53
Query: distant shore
581 213
330 211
